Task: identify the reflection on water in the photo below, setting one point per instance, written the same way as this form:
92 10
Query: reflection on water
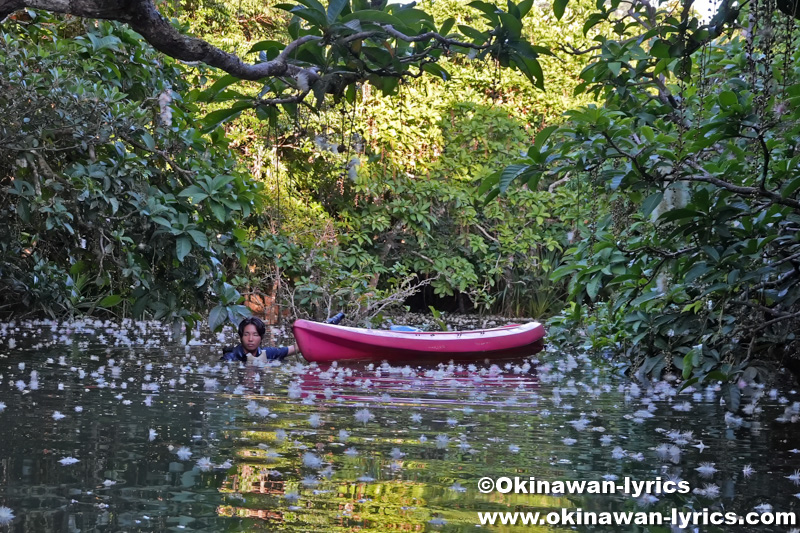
107 430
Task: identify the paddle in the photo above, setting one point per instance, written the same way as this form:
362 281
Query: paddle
335 319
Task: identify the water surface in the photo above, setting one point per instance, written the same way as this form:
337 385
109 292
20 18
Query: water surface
108 429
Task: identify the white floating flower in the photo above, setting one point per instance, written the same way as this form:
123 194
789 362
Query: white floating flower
397 454
706 469
205 464
763 508
646 500
152 435
183 453
311 461
68 461
364 416
6 515
315 421
58 416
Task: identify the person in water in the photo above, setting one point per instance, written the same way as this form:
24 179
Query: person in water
251 331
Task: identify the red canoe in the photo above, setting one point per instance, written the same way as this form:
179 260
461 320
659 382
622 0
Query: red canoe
325 343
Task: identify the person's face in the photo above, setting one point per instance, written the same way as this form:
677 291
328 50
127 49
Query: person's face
250 338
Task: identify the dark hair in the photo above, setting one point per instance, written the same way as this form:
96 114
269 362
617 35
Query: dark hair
257 322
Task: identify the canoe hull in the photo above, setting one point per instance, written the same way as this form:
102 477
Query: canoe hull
325 343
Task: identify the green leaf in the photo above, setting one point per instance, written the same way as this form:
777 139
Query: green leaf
679 214
651 202
688 383
489 10
199 237
218 86
240 234
219 211
219 117
489 182
436 70
314 18
511 24
697 271
220 181
335 9
543 135
660 49
182 247
559 6
373 15
727 99
716 375
447 26
415 18
593 20
194 192
161 220
791 188
687 365
148 141
110 301
711 252
313 4
262 46
593 287
646 297
510 173
531 68
217 317
100 43
476 36
491 196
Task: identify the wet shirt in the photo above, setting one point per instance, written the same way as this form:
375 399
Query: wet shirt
239 353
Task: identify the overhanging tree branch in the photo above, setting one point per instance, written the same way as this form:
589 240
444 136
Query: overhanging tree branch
143 17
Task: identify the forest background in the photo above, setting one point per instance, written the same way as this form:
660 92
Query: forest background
640 190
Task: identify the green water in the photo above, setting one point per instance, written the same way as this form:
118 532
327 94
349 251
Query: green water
268 452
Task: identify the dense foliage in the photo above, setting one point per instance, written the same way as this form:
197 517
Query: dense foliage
113 199
696 267
386 185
